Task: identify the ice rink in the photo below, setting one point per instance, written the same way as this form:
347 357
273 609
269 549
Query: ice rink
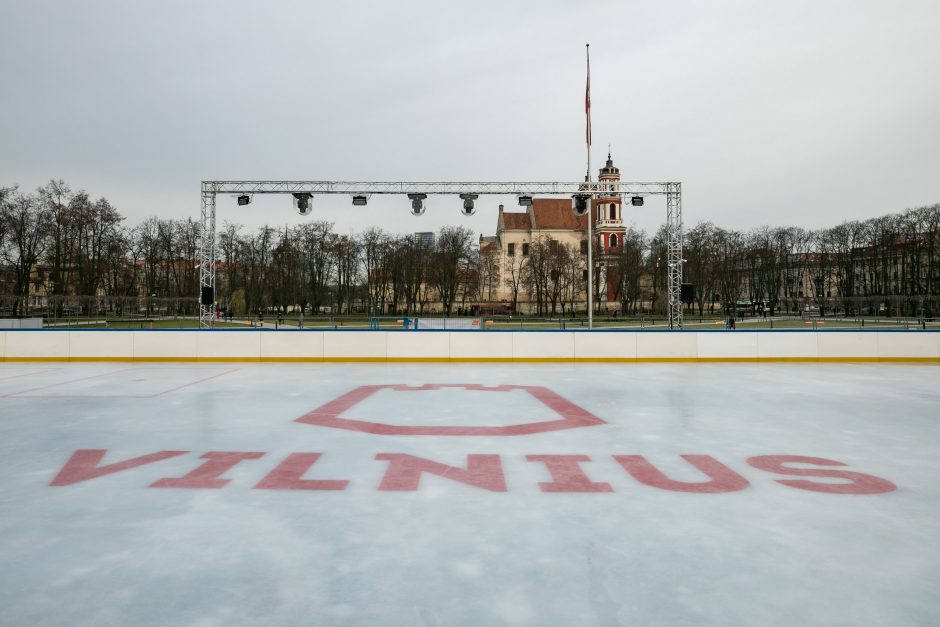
436 495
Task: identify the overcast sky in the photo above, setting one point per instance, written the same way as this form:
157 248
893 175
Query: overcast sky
787 112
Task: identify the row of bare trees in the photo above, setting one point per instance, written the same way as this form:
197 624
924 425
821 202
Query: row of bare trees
553 275
311 267
60 243
62 247
887 264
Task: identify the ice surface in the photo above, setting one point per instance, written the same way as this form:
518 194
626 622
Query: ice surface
111 550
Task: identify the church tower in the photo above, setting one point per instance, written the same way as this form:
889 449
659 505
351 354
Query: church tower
609 231
608 218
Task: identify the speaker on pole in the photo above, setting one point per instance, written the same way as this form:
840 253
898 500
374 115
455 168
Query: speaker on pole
208 296
687 293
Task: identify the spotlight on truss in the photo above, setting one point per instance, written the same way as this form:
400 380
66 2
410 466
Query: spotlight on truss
525 201
637 201
302 203
360 201
468 207
243 200
579 203
417 203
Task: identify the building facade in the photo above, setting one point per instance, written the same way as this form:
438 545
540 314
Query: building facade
539 256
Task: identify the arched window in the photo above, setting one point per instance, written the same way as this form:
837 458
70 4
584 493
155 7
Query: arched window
613 240
613 211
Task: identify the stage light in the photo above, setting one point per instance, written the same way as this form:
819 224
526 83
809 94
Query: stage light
525 201
468 207
417 203
637 201
579 204
360 201
302 203
244 200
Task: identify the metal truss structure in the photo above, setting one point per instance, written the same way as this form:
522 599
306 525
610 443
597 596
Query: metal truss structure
674 254
210 189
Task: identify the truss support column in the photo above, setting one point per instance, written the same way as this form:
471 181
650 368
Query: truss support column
207 257
674 254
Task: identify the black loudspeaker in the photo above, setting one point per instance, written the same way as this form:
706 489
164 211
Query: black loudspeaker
208 296
687 293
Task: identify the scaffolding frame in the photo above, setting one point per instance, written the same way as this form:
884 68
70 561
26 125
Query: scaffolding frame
211 189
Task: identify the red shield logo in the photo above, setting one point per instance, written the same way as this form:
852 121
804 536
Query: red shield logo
570 416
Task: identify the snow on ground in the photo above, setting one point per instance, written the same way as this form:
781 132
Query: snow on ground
182 494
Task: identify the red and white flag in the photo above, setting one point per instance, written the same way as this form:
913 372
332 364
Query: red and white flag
587 96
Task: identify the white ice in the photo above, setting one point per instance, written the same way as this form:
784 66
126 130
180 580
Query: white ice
112 551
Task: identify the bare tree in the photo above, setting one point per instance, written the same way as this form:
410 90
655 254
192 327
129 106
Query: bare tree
628 269
24 230
515 271
346 252
375 257
451 250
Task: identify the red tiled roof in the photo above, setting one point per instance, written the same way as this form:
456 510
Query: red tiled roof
556 213
516 221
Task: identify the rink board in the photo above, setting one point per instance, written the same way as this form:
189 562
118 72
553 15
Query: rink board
469 494
338 345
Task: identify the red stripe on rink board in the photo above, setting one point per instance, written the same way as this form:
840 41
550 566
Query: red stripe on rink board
287 475
859 482
404 472
208 475
567 475
83 465
723 479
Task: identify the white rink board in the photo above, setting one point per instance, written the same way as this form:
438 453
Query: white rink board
918 345
308 344
394 546
94 344
352 345
228 345
36 344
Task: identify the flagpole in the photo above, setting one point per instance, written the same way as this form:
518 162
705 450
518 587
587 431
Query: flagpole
587 178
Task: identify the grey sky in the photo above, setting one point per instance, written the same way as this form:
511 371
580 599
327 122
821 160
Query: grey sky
796 112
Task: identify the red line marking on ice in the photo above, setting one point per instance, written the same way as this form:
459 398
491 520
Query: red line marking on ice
186 385
52 385
34 372
137 396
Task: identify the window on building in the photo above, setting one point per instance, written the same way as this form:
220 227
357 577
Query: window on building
613 241
583 247
613 211
525 250
511 250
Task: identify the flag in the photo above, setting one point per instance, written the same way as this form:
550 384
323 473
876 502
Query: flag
587 96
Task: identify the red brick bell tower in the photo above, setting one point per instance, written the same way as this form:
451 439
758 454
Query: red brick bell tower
609 230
